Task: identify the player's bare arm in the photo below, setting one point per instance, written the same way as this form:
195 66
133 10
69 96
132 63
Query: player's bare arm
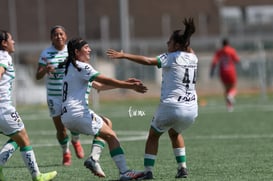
101 87
135 58
137 86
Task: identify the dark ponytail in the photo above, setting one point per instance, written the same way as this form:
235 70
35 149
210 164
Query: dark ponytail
73 44
183 38
3 37
189 30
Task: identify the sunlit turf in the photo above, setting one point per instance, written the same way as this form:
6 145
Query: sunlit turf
220 146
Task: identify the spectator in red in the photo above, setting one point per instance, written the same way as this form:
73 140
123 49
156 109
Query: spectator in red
227 58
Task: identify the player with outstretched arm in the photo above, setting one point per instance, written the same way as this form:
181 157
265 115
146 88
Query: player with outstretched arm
178 103
78 117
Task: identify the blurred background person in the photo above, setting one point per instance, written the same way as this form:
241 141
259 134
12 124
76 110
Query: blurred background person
48 63
226 57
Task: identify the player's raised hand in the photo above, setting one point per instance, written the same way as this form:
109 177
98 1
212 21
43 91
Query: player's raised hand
114 54
49 69
138 85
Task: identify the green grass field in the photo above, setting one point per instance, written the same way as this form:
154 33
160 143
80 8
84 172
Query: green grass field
220 146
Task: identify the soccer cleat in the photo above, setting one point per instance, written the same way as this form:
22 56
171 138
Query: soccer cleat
94 166
131 175
2 178
45 176
230 103
230 108
147 176
67 159
230 99
78 149
182 173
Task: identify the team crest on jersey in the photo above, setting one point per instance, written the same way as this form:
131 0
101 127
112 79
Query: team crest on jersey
44 59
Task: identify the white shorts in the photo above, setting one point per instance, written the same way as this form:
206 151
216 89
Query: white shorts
88 123
54 105
10 121
178 117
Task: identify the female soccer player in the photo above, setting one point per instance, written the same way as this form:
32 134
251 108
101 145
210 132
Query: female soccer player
11 123
76 115
49 60
226 57
178 103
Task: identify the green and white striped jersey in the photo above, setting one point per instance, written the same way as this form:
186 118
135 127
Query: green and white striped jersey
54 80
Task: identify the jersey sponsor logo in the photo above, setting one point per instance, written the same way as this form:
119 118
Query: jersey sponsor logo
187 98
58 76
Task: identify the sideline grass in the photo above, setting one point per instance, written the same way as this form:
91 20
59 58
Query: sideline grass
220 145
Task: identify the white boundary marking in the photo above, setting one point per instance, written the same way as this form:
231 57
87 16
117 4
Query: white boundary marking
142 135
129 136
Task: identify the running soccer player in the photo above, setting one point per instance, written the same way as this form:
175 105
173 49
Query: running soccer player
178 103
49 60
226 57
78 117
11 123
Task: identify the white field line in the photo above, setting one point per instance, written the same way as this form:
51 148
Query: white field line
142 135
209 109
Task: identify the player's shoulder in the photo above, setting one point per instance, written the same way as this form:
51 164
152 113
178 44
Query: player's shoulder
187 55
83 65
4 55
230 48
79 63
183 58
47 50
